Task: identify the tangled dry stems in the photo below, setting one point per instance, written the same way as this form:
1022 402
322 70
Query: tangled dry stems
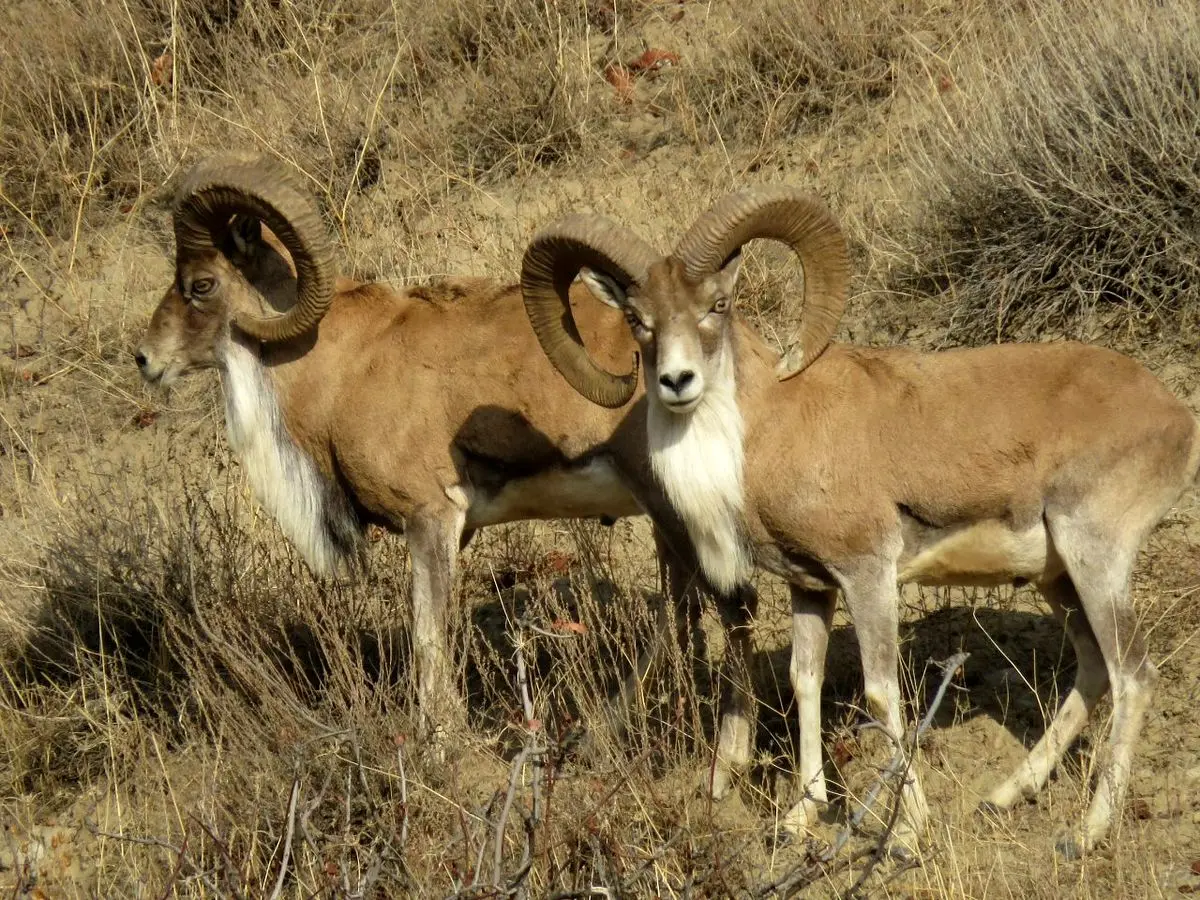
273 712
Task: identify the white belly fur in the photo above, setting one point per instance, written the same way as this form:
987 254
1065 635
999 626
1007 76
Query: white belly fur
987 553
592 490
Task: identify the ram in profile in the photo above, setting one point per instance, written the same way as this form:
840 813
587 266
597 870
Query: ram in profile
429 411
855 469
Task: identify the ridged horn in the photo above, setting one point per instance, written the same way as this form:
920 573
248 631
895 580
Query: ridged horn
222 186
801 221
552 260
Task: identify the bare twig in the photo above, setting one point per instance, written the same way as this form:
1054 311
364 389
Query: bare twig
622 776
518 766
152 841
699 876
374 869
346 836
901 760
361 770
309 809
516 884
135 839
462 818
287 840
532 725
804 873
403 794
230 870
878 851
630 880
532 753
174 877
485 816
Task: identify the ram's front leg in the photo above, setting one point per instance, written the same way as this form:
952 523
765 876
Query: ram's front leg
873 599
433 542
680 584
812 618
735 739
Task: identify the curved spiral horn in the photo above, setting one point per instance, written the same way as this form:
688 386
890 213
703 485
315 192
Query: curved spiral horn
799 220
552 260
222 186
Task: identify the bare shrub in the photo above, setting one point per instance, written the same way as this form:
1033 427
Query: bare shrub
1063 196
73 96
104 98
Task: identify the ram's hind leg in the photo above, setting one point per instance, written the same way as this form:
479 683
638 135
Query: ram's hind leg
1100 566
1091 683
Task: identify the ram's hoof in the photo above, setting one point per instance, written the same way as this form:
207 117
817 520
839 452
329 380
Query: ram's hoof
903 854
780 838
1069 848
717 784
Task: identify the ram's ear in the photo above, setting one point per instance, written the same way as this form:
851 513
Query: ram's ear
247 235
605 288
727 276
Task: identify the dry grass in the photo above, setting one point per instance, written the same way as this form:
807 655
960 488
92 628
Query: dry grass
790 68
165 655
185 711
1060 199
190 703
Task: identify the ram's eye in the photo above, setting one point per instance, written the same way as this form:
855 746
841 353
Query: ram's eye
203 286
633 320
721 306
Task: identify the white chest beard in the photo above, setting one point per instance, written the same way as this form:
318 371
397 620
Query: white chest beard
697 458
284 479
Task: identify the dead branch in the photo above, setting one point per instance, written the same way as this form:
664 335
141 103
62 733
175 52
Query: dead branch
516 882
403 795
151 841
174 877
306 828
901 760
518 766
532 725
287 840
230 869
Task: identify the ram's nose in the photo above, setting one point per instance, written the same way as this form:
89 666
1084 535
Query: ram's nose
677 382
680 390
